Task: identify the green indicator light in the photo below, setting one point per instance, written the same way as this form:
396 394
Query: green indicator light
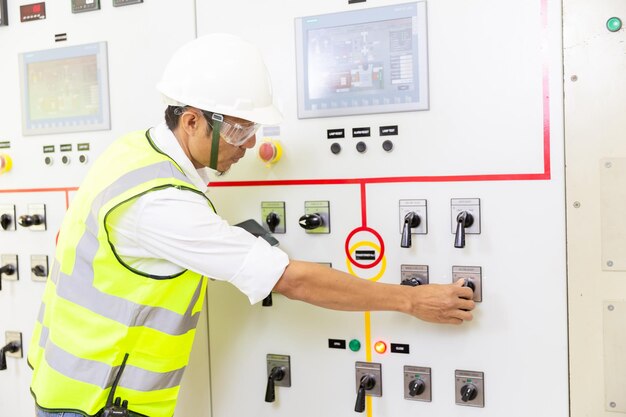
355 345
614 24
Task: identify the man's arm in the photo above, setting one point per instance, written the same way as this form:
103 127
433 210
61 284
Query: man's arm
329 288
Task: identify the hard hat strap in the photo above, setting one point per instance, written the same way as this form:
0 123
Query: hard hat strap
215 143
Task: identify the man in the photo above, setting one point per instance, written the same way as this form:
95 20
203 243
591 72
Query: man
121 305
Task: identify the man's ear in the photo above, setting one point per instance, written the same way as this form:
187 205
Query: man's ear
190 122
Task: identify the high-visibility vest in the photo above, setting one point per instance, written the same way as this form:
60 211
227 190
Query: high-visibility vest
96 310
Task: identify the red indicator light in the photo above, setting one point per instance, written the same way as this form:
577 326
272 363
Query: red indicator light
36 8
380 347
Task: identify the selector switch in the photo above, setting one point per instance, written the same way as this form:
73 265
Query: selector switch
417 383
473 277
316 218
368 382
7 217
35 219
361 147
12 348
273 215
39 268
335 148
414 275
470 388
278 375
8 269
465 219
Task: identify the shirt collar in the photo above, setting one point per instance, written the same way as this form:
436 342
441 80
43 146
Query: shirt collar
165 140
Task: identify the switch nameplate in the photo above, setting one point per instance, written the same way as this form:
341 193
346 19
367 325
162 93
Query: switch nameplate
280 360
474 275
472 206
420 208
419 373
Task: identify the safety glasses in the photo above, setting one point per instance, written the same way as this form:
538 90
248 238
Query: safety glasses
232 132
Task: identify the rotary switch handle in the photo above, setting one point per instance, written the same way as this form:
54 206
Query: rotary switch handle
311 221
28 220
367 383
276 374
10 347
5 221
463 220
38 270
272 220
8 269
411 220
416 387
468 392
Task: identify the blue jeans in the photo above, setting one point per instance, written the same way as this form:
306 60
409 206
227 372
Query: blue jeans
42 413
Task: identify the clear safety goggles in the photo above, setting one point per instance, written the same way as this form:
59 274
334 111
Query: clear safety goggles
232 132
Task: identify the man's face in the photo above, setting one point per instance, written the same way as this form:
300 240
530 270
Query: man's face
200 145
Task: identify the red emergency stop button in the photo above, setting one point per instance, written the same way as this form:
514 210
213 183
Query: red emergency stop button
270 151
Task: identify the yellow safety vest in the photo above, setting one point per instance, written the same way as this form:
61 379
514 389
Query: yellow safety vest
96 310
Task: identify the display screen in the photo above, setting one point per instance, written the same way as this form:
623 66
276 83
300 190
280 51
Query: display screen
65 89
365 61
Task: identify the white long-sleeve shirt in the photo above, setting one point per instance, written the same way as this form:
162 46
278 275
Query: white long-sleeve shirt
167 231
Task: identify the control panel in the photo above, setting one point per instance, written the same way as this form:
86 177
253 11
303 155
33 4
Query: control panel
398 116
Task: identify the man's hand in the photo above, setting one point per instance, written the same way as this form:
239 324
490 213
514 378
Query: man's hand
442 303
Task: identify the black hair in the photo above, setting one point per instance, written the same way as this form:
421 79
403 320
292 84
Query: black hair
172 114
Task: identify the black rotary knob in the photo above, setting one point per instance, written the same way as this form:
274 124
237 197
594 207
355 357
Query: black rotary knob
272 221
468 392
335 148
416 387
311 221
28 220
5 221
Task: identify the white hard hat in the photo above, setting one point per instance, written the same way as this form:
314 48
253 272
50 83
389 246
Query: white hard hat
220 73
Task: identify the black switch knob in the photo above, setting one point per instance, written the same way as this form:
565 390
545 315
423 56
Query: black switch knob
411 220
413 282
5 221
416 387
470 284
28 220
311 221
267 301
468 392
39 271
463 220
335 148
272 220
11 347
8 269
276 374
367 383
